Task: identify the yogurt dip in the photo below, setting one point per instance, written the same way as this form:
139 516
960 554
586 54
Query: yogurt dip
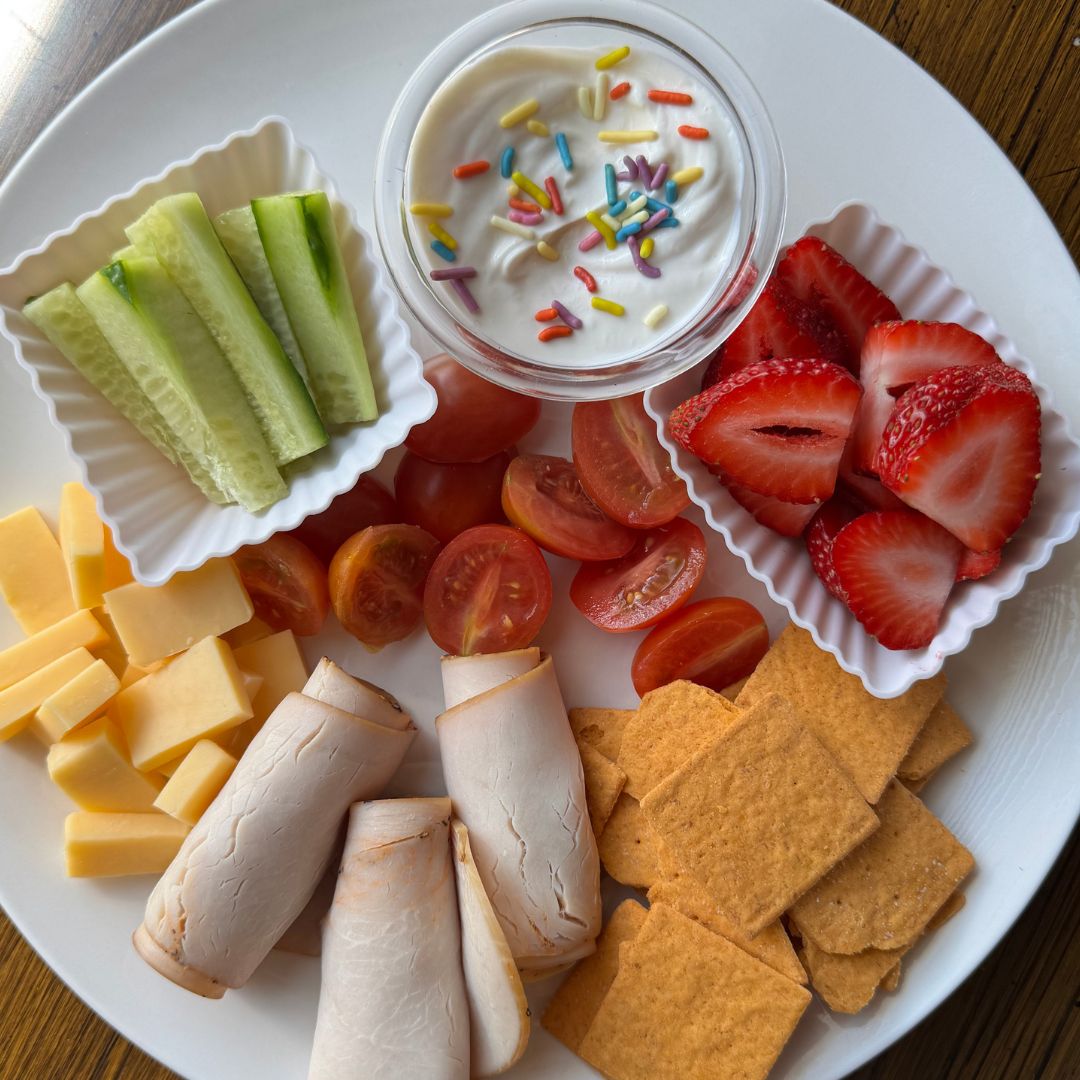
487 107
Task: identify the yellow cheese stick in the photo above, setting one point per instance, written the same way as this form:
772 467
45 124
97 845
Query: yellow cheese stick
84 698
196 782
109 845
82 541
79 629
33 578
18 703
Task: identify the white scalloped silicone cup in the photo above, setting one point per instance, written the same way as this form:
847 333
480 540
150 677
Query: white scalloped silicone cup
920 290
159 519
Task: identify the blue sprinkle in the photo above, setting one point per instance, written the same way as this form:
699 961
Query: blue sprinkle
628 230
564 150
635 195
671 191
668 223
656 204
506 163
442 250
615 209
612 186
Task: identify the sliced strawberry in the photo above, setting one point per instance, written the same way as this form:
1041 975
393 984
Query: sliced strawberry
825 281
962 446
786 518
896 569
896 355
977 564
869 491
828 521
777 427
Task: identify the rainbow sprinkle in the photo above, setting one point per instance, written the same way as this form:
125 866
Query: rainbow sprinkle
671 191
585 277
537 192
506 163
616 56
656 316
688 131
670 97
659 176
639 263
611 185
547 251
617 208
442 235
628 230
538 127
600 96
609 306
567 316
602 227
512 227
519 113
525 219
470 168
627 136
564 150
443 251
584 102
590 241
644 172
548 314
452 272
647 247
688 175
431 209
621 90
553 194
467 297
550 332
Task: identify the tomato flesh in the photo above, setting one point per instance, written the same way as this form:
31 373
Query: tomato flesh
655 578
448 499
488 591
368 503
474 418
286 582
377 582
542 495
712 642
622 465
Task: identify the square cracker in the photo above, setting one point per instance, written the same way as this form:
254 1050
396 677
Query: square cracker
759 815
847 984
886 891
600 728
628 847
574 1005
604 782
686 1004
868 736
943 736
671 723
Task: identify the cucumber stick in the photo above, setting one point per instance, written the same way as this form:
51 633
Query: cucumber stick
174 358
63 319
239 236
177 230
301 245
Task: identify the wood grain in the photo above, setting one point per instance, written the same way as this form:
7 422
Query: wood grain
1016 67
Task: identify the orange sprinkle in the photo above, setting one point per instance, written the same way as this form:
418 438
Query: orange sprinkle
553 194
670 97
550 332
688 132
472 168
585 278
525 206
547 314
621 90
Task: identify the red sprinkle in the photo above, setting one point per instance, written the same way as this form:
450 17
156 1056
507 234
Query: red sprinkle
526 207
585 278
670 97
553 194
621 90
547 314
550 332
473 168
688 132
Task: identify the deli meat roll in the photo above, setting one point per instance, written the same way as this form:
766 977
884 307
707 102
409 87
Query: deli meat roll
514 775
251 864
392 1004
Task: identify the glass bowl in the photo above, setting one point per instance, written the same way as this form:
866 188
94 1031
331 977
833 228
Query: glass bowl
759 199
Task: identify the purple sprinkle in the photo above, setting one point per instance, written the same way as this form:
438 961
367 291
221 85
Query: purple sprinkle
631 166
623 176
467 297
655 219
453 272
525 219
567 316
590 241
634 244
644 172
659 177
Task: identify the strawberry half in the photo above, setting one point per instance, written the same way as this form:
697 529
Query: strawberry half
895 356
977 564
821 535
896 569
777 427
786 518
826 282
962 446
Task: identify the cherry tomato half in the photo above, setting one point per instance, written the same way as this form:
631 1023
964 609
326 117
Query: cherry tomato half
712 642
543 496
489 591
622 465
448 499
474 419
368 503
286 582
655 578
377 582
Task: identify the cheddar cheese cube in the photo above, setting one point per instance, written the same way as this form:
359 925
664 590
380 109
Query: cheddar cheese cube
133 673
78 630
278 660
195 783
155 622
83 698
19 702
92 768
33 578
198 695
82 542
109 845
253 630
112 652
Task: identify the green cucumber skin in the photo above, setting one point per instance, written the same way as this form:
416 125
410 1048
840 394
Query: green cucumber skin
301 245
178 231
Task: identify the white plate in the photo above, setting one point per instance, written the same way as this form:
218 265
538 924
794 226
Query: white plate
333 69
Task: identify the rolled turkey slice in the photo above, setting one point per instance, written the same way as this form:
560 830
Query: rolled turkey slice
251 864
514 774
392 1004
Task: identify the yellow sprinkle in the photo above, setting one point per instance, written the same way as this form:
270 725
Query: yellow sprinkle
538 193
646 247
626 136
635 205
512 227
631 219
609 306
605 230
431 209
549 253
600 96
519 113
656 316
688 175
440 233
610 222
584 101
612 58
538 127
513 190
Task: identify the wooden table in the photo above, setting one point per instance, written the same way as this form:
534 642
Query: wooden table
1015 64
